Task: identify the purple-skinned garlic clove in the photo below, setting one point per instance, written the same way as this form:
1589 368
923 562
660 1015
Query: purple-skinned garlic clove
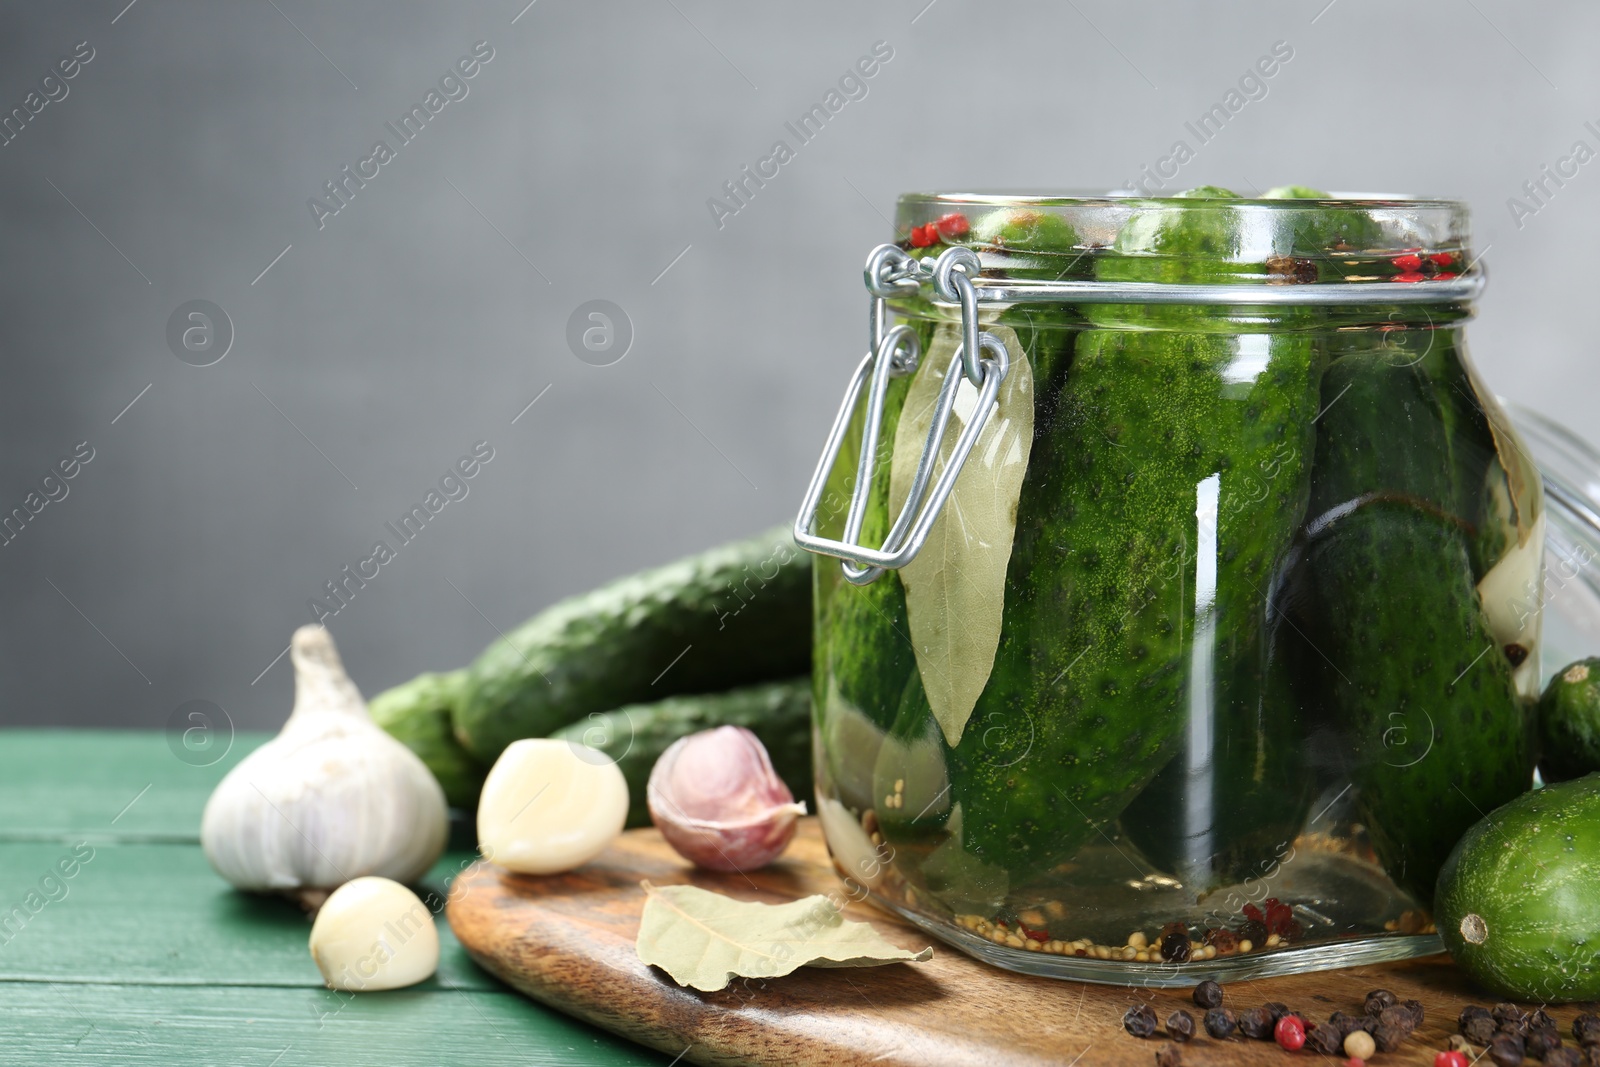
716 799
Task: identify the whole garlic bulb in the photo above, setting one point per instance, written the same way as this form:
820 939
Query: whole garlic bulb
331 798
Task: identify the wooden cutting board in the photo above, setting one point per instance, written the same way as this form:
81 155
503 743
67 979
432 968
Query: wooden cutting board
567 941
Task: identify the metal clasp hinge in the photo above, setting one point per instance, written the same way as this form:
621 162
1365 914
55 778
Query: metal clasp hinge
983 360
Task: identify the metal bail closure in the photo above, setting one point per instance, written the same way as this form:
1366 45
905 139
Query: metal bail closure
982 359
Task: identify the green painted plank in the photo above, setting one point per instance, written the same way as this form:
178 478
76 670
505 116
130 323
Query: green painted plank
158 913
154 1026
143 955
112 784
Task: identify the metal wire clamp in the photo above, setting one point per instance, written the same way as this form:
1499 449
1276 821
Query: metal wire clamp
955 279
982 359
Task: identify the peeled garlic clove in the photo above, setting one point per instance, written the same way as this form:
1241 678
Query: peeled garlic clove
545 809
374 934
331 798
716 799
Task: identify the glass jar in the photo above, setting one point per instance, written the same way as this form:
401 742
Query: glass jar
1186 611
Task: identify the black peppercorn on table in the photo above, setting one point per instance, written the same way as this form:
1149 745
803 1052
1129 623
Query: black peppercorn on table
567 941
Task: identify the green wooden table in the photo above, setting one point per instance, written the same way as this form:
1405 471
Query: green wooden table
144 956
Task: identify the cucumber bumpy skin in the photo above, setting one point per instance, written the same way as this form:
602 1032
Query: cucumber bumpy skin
778 713
870 664
419 715
1569 723
1212 398
1029 626
1516 903
1151 425
861 649
865 660
1093 657
1387 595
735 615
1441 451
1435 733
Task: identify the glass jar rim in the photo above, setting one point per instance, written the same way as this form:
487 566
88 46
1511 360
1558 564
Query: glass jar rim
1330 247
1040 198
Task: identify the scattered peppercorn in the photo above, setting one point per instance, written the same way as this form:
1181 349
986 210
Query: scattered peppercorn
1169 1055
1345 1023
1477 1024
1539 1017
1460 1044
1505 1011
1586 1029
1389 1037
1208 994
1414 1009
1221 1023
1180 1025
1326 1040
1277 1009
1506 1050
1358 1045
1175 947
1290 1033
1399 1017
1140 1021
1449 1059
1257 1023
1563 1057
1541 1039
1398 1022
1379 999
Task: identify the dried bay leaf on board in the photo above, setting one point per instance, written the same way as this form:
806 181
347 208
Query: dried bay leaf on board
955 587
706 940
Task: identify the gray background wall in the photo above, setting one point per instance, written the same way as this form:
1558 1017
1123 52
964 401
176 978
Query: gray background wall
433 308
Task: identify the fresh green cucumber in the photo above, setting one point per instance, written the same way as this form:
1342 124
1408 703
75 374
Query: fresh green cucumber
1383 431
418 714
1313 233
862 646
872 657
1236 790
779 713
1087 698
732 616
1569 723
1517 905
1434 732
1437 449
1413 679
1030 244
